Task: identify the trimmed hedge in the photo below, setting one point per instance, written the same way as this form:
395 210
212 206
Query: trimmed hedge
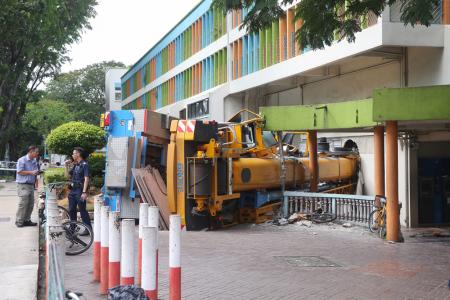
54 175
76 134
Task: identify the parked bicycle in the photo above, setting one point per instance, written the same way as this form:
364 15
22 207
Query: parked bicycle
78 236
377 218
320 215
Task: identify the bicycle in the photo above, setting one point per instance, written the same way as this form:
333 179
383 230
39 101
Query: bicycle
377 218
78 236
321 216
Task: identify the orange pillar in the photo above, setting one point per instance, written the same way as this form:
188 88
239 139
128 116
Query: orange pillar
392 208
379 160
313 162
298 49
446 12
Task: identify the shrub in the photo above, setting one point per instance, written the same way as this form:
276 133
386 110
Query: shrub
96 163
97 182
75 134
54 175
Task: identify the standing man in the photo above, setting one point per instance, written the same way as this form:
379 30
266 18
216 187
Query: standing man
79 186
27 169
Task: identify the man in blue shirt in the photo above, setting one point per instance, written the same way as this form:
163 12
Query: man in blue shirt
79 186
27 169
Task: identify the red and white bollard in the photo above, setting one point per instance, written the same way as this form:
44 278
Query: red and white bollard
153 221
175 258
149 267
127 259
143 220
104 253
97 238
114 250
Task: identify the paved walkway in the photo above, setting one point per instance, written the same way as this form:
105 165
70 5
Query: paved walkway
295 262
19 252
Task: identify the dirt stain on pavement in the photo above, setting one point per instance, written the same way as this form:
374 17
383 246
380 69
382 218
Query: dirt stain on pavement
389 268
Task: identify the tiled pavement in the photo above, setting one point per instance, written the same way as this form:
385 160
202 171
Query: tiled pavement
244 262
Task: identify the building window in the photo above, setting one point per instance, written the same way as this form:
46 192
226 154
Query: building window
198 109
183 114
117 96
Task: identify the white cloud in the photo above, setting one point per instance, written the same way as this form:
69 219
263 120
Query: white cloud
125 30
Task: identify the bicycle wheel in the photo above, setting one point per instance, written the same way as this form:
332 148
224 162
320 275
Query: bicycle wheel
323 217
382 231
63 213
78 237
374 225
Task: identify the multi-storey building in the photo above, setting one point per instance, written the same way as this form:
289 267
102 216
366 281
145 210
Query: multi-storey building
113 89
208 67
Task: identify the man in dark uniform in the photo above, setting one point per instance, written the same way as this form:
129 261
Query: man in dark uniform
79 186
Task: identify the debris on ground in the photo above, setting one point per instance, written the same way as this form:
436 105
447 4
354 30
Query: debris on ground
347 225
296 217
281 222
306 223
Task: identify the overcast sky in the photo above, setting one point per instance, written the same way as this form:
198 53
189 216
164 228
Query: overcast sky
124 30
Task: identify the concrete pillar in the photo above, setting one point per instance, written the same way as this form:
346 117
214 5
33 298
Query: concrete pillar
114 250
313 162
97 238
392 213
175 258
127 258
104 251
143 221
379 160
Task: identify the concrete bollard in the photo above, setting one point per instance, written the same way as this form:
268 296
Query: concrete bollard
143 220
114 250
127 258
149 267
104 253
97 238
175 258
153 221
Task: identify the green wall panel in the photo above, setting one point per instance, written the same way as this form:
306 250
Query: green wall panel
343 115
412 104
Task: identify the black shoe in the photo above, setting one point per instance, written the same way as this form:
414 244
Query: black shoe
19 225
29 223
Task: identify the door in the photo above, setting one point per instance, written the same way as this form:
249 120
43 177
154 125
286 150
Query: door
434 191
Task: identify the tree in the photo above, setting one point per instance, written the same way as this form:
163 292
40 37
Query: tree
321 19
45 115
34 37
83 90
64 138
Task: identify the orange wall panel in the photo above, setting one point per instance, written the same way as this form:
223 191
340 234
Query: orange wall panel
298 48
282 37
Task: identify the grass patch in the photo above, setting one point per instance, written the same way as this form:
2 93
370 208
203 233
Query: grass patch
89 205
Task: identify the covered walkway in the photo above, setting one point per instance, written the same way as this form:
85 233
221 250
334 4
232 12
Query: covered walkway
387 113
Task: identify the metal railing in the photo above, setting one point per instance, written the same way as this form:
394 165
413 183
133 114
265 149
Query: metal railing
54 237
352 208
8 166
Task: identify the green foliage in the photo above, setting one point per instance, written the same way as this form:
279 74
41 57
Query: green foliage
97 182
96 163
83 90
45 115
64 138
34 40
322 19
54 175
